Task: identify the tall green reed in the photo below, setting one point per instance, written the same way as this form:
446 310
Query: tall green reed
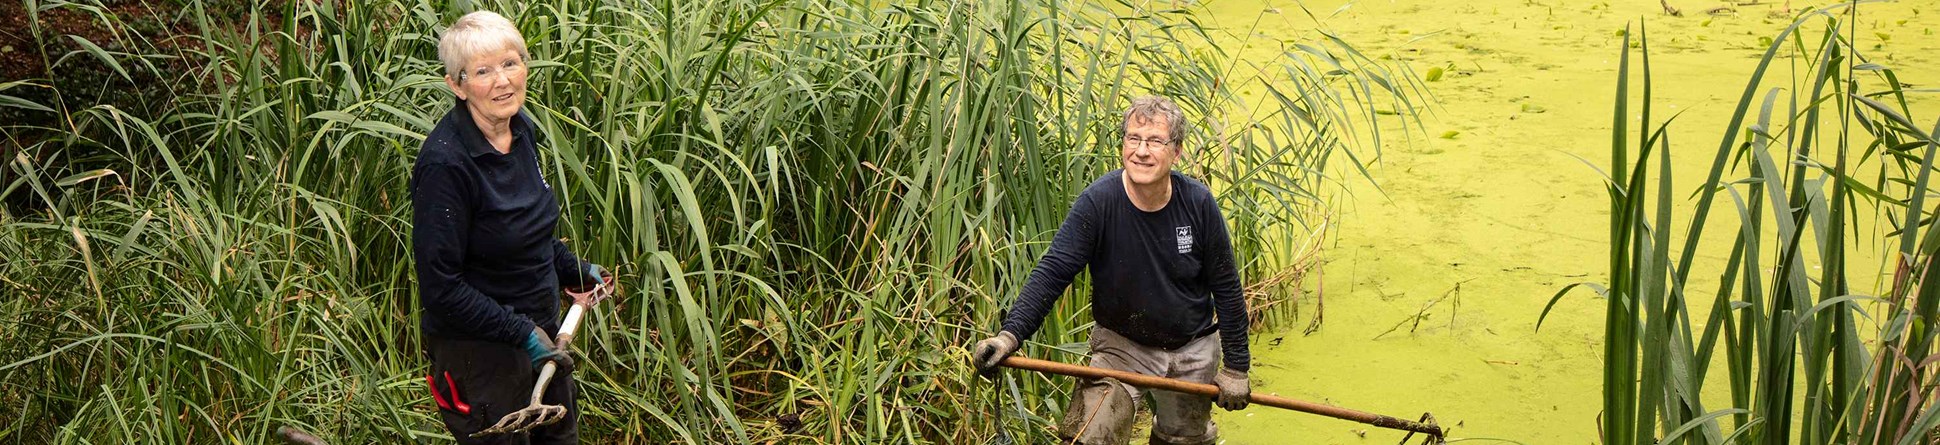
814 204
1785 320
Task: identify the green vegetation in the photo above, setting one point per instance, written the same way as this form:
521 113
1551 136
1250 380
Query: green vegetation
814 205
1811 163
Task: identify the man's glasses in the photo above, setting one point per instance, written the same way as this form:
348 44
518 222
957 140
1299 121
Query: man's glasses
1135 142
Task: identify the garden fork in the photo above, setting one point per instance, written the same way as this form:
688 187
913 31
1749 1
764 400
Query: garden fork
539 414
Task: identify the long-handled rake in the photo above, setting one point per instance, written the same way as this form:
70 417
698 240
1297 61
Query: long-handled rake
1426 426
539 414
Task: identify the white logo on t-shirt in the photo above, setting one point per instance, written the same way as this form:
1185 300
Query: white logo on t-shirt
1184 235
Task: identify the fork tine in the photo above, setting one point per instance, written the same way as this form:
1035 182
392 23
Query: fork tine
525 419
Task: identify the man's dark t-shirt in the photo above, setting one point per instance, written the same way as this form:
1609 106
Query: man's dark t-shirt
488 265
1157 278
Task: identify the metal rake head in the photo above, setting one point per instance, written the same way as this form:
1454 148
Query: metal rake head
1441 437
531 417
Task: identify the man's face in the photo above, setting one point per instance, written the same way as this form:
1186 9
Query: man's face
1148 150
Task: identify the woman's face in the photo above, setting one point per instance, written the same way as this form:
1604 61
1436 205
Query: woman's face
493 86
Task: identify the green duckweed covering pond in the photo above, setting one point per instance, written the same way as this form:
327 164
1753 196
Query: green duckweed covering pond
1508 211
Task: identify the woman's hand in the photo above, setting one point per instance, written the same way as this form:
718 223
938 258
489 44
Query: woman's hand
540 349
605 286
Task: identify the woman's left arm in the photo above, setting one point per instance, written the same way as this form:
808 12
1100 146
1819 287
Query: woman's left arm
572 271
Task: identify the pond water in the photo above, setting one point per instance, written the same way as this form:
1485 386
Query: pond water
1502 208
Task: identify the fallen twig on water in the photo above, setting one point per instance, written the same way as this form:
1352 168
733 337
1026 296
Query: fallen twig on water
1423 313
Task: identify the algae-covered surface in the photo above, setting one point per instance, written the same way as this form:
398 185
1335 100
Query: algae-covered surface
1489 197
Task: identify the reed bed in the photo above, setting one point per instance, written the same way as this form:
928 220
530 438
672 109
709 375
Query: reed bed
815 205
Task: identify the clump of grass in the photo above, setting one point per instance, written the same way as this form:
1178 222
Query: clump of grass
1806 362
815 205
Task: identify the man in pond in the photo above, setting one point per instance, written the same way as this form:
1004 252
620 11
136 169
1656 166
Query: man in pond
1165 291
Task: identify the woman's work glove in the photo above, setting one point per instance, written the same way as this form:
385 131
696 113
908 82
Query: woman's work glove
590 292
539 347
590 276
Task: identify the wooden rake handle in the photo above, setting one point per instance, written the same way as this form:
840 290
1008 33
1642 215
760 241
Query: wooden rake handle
1152 382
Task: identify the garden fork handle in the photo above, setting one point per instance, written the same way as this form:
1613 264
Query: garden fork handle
580 302
566 328
564 339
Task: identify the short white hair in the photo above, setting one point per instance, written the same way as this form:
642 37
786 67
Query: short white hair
480 32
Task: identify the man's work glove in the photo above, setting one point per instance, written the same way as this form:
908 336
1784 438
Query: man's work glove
1234 389
539 347
987 353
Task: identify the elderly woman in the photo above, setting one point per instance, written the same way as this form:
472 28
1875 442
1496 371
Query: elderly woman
489 268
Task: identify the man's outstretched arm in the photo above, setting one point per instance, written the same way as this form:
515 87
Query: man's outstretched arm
1070 252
